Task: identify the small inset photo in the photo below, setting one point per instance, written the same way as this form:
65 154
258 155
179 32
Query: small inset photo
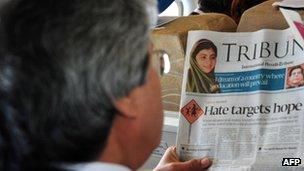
295 76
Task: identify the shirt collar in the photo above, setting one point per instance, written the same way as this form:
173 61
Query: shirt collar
96 166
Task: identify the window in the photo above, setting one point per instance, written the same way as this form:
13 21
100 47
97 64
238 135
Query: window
172 10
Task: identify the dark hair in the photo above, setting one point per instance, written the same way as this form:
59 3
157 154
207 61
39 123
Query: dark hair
238 7
219 6
233 8
295 67
62 63
203 44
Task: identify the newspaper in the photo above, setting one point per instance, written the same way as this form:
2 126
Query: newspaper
243 100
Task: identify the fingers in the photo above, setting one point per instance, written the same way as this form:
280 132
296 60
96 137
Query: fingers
193 165
170 162
171 151
206 163
170 156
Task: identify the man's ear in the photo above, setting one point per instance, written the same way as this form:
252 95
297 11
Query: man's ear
126 107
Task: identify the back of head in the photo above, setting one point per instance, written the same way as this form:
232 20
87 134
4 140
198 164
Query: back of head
233 8
238 7
218 6
62 64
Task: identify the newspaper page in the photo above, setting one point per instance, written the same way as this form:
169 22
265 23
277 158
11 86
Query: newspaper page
243 101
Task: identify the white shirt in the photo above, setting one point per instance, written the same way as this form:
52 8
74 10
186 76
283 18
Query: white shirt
97 166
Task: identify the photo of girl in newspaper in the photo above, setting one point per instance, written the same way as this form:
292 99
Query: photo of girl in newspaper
295 77
201 77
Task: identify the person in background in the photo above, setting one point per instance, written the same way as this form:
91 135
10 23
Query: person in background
77 86
201 78
295 77
208 6
232 8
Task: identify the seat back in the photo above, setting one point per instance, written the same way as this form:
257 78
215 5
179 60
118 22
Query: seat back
263 16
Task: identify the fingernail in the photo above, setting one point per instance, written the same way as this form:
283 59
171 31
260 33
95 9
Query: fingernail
206 161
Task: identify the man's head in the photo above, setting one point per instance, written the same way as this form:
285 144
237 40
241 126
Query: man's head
72 74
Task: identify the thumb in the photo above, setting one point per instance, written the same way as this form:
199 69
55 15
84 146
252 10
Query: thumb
193 165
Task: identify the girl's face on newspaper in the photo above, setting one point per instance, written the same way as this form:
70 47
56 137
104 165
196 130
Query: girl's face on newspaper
206 60
296 76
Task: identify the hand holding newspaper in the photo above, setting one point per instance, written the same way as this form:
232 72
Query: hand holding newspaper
242 100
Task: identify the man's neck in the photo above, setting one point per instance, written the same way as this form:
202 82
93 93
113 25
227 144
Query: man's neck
113 152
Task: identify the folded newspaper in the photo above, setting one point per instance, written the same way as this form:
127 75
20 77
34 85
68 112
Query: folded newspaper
243 100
